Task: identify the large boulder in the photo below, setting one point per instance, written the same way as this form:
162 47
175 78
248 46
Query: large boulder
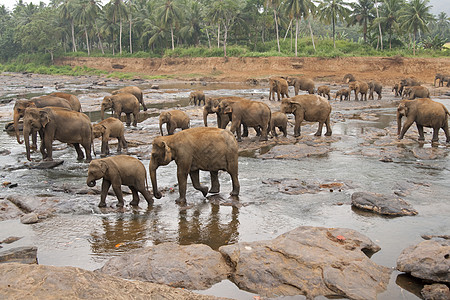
428 260
18 281
382 204
194 267
309 261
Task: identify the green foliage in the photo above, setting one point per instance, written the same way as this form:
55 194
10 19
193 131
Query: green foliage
435 43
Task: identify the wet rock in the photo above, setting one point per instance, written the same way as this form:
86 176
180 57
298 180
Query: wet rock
382 204
428 260
309 261
42 206
23 255
10 240
297 151
154 87
429 237
296 186
429 153
193 267
9 211
4 152
437 291
49 282
30 218
45 164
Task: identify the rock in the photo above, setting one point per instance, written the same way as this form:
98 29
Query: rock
45 164
43 206
296 186
309 261
49 282
429 153
193 267
297 151
382 204
9 211
10 240
30 218
437 291
23 255
429 236
428 260
154 87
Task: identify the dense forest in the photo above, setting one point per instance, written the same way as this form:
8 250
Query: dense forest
155 28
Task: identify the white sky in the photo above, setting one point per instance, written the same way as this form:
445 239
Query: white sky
438 5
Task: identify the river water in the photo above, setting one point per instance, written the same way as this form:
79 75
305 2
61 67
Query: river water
82 235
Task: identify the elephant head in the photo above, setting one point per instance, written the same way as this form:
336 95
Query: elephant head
209 107
166 117
97 169
33 120
402 110
106 103
98 130
288 106
161 156
19 111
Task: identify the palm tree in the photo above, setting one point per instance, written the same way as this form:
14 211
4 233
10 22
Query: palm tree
331 11
84 18
117 11
362 15
191 30
296 9
66 13
274 4
94 11
389 15
169 14
415 16
130 21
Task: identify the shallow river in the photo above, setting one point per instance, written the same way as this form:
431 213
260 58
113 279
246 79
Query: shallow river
82 235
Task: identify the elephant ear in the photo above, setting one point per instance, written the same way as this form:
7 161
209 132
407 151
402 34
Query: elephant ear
228 109
44 117
103 166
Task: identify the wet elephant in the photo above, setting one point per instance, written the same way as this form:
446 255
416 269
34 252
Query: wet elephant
197 96
425 113
201 148
348 78
280 121
54 123
134 90
310 108
123 102
343 93
360 87
323 91
375 86
407 82
110 128
173 119
117 171
414 92
72 99
301 84
396 89
280 86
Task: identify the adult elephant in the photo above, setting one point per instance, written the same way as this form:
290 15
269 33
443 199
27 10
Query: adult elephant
414 92
442 78
280 86
72 99
375 86
251 113
123 102
134 90
55 123
197 96
407 82
195 149
173 119
323 91
396 89
39 102
311 108
348 78
117 171
110 128
301 83
360 87
425 113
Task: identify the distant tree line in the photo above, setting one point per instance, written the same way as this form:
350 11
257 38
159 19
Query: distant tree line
153 26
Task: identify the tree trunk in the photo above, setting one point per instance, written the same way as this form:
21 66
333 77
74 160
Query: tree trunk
312 35
209 39
287 31
99 38
276 29
171 34
131 44
87 40
120 37
225 40
74 45
296 36
334 32
218 35
379 26
414 43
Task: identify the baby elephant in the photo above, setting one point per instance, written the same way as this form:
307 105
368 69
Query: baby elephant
110 128
323 91
197 96
343 93
173 119
116 171
279 120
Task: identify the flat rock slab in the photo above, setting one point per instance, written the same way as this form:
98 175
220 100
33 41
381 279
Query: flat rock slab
382 204
309 261
297 151
45 164
23 255
18 281
428 260
429 153
436 291
294 186
194 267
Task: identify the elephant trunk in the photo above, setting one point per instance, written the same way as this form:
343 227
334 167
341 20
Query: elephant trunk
205 117
102 112
399 123
90 181
160 127
152 171
16 126
26 137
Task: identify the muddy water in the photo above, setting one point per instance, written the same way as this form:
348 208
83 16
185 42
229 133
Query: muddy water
82 235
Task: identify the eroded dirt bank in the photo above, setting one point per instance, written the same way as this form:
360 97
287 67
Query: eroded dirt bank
386 69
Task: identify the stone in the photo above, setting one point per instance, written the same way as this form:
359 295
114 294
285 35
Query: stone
30 218
382 204
309 261
23 255
429 153
194 267
49 282
436 291
10 240
45 164
297 151
154 87
428 260
294 186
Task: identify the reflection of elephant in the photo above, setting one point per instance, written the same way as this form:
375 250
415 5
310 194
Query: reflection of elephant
55 123
426 113
39 102
301 83
359 87
110 128
278 85
201 148
375 86
396 89
413 92
117 171
407 82
311 108
197 96
348 78
343 93
123 102
279 120
173 119
251 113
323 91
72 99
134 90
442 78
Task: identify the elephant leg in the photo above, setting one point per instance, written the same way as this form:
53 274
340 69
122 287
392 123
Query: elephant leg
148 197
105 187
135 119
435 135
327 124
195 178
128 122
48 146
319 130
104 149
119 145
80 154
236 127
264 134
87 149
245 133
278 95
297 126
143 105
405 128
182 183
379 95
34 141
258 130
118 191
215 185
233 171
134 192
284 130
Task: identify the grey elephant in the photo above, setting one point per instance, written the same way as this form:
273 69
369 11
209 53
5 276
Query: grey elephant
110 128
323 91
348 78
375 86
173 119
280 86
425 113
442 78
134 90
411 81
121 103
343 93
396 89
117 171
301 83
72 99
414 92
280 121
310 108
360 87
197 96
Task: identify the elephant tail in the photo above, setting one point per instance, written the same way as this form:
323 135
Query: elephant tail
92 140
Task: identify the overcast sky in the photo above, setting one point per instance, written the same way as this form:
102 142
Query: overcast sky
438 5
